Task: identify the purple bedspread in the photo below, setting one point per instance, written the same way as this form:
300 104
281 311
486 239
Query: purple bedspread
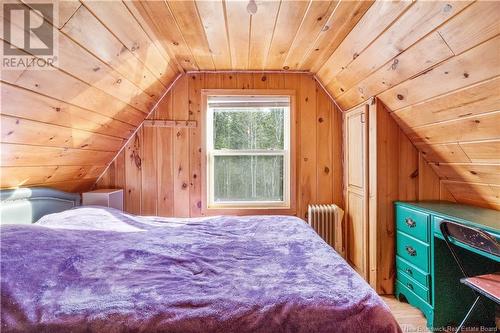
97 270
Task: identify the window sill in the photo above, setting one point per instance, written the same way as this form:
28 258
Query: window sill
248 211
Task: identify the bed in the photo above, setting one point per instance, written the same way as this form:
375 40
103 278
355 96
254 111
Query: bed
94 269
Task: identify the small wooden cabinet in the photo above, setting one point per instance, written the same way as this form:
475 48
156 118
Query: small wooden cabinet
112 198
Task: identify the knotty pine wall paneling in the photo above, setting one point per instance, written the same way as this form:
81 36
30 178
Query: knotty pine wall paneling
160 168
396 171
436 68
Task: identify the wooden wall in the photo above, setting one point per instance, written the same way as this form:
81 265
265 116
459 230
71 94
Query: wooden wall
397 171
436 66
60 127
160 168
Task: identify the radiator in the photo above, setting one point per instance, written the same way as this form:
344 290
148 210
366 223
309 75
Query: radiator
326 220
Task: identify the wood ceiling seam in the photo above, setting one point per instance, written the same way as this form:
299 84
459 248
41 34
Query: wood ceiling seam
455 55
57 125
61 101
46 175
476 45
59 26
85 83
436 100
373 40
465 163
60 147
444 40
297 32
478 18
69 18
468 155
205 37
137 80
470 172
182 35
249 41
398 69
290 17
438 65
455 142
78 78
477 115
294 56
84 2
118 39
313 44
316 66
157 30
391 60
461 142
224 9
60 30
238 23
263 25
272 36
435 29
470 183
180 30
21 155
171 57
440 95
139 127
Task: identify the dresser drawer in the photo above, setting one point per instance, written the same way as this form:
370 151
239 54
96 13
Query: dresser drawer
412 222
414 286
412 271
413 251
413 299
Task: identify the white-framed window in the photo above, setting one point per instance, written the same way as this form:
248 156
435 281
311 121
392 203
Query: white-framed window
248 151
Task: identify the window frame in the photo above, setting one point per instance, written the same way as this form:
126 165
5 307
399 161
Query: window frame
287 206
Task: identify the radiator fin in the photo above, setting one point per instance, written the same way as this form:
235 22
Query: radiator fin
326 220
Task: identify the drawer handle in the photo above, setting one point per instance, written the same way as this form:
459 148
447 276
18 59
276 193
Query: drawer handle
409 271
411 251
410 223
409 285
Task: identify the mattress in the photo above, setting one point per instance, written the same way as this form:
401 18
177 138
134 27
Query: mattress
93 269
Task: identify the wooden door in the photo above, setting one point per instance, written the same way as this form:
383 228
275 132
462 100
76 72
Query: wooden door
356 180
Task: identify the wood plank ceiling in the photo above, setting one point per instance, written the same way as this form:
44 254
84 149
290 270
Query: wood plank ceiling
222 35
434 64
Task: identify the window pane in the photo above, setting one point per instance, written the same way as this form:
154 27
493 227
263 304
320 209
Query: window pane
248 178
249 128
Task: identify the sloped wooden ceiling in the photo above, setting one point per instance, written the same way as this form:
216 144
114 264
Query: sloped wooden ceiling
435 64
62 127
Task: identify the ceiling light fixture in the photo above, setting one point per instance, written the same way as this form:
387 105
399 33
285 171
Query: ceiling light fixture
252 7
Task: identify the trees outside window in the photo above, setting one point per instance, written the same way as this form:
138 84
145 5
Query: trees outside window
248 151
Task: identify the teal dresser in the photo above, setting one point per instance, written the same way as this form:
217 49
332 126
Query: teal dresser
426 274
